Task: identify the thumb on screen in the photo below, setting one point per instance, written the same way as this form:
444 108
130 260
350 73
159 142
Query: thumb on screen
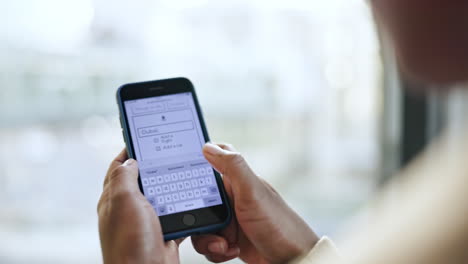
244 182
125 176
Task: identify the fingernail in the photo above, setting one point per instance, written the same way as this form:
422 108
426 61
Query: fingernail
213 149
128 162
232 252
216 247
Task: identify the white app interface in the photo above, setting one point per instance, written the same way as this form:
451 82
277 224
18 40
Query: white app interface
168 140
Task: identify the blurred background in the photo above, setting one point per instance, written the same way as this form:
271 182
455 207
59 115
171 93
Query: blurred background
302 88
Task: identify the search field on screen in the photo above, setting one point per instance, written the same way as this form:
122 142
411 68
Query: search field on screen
165 129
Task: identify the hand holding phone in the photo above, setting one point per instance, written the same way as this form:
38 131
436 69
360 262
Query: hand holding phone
164 131
129 230
265 230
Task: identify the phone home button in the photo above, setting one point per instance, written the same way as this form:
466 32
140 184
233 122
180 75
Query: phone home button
188 220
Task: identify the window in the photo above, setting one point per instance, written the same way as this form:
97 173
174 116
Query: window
294 85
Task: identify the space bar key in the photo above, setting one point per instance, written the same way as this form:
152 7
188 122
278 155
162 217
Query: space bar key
189 205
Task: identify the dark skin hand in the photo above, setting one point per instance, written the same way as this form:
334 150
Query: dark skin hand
129 228
265 229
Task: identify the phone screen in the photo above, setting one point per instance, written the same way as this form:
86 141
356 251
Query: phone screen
168 139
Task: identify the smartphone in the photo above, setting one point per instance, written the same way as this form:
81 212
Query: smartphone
164 131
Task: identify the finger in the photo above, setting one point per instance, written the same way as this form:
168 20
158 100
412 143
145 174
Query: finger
221 258
215 248
226 146
125 177
180 240
245 183
210 244
230 233
117 161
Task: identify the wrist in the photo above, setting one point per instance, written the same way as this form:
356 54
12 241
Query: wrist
299 244
305 245
310 243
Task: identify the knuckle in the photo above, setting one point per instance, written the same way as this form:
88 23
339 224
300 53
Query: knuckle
229 146
120 204
233 161
199 245
122 196
102 201
234 158
120 170
99 206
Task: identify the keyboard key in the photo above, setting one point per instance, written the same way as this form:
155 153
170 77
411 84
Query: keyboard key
162 210
168 198
187 185
174 176
182 195
160 179
175 197
208 181
204 191
151 191
181 175
173 187
196 193
190 194
194 183
202 171
188 174
152 180
158 189
180 186
165 188
152 201
201 182
209 170
160 199
170 209
213 190
167 178
145 182
189 205
210 201
195 173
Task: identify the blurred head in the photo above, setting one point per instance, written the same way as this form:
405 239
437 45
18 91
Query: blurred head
430 37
